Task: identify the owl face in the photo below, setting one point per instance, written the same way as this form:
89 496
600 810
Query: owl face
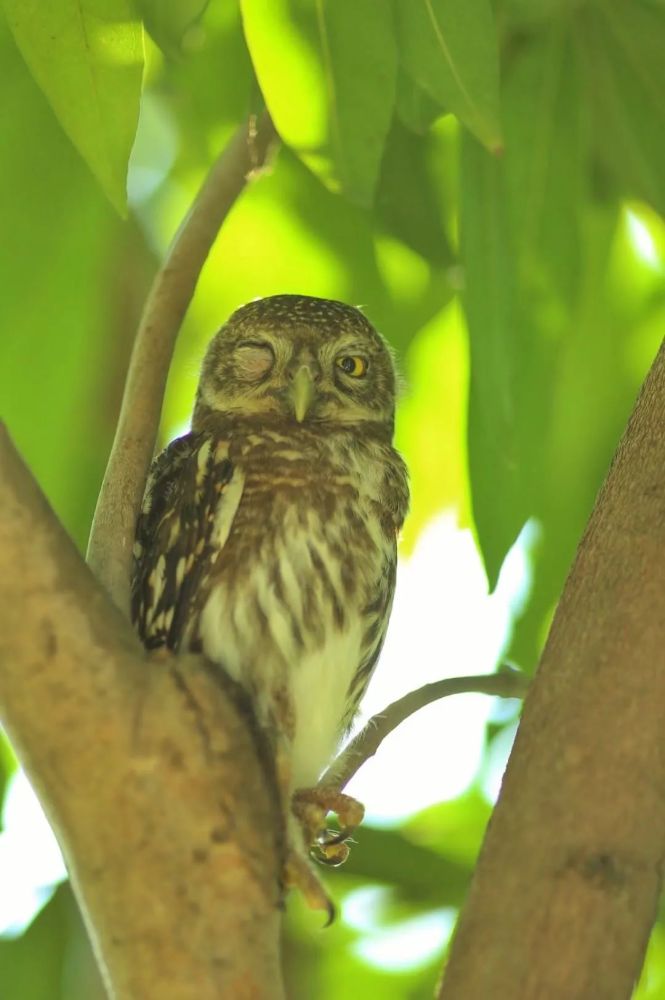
306 359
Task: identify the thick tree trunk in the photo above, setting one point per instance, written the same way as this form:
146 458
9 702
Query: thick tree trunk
148 771
568 881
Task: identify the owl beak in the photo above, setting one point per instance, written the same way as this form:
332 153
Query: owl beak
301 392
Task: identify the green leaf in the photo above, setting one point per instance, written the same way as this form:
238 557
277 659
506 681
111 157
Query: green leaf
52 959
327 69
623 47
545 162
418 873
407 199
520 235
414 106
87 57
450 49
169 21
67 324
499 501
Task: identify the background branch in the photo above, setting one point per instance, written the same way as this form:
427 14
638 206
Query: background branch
147 769
507 683
567 885
112 533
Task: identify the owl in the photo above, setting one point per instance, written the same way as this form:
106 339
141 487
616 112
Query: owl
267 537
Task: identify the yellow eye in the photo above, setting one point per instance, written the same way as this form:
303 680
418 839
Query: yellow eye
353 365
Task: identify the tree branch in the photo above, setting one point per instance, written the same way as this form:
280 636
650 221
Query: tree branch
147 769
507 683
112 533
568 881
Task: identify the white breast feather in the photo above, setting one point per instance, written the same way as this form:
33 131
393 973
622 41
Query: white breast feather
318 676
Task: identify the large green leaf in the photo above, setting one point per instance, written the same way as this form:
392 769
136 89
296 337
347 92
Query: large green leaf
520 248
327 69
68 305
623 47
87 56
500 503
450 49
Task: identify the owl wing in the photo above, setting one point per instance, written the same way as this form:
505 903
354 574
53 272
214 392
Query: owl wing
190 502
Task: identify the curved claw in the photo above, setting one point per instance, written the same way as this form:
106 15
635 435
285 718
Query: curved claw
298 874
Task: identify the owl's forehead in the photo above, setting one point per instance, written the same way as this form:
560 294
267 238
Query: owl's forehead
301 316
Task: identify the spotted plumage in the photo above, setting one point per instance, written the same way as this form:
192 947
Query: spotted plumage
267 538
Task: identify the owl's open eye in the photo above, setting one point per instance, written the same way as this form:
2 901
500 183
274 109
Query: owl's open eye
352 364
253 359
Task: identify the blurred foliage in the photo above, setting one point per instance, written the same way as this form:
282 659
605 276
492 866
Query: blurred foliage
505 238
65 970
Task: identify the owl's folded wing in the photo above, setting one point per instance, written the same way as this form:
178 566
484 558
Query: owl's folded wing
191 498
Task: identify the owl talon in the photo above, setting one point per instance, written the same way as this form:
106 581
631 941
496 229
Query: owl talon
311 806
298 874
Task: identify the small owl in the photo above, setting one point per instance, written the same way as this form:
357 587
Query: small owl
267 538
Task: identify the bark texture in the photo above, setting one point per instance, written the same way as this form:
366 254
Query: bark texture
566 889
147 769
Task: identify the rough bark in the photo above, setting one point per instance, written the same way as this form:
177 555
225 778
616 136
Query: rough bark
147 769
567 885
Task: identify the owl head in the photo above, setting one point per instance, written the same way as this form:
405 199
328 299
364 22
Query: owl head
309 360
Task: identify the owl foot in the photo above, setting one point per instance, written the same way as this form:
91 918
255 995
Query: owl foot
298 874
311 806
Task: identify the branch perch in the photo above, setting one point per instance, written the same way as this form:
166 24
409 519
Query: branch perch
112 533
567 886
504 684
147 770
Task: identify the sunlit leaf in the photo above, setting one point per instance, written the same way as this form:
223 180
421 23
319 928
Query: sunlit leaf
68 303
450 49
327 69
87 57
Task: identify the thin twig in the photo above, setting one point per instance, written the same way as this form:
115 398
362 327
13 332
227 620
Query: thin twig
111 537
507 683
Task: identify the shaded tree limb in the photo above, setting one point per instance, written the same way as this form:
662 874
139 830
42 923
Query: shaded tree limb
147 769
112 533
567 885
504 684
